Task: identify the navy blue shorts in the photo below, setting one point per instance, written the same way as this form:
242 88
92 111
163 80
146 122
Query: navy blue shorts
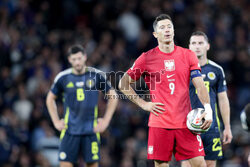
72 145
212 146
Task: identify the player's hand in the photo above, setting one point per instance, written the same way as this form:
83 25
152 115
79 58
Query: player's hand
101 126
154 108
227 136
60 125
207 123
208 116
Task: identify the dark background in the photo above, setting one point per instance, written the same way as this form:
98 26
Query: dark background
34 37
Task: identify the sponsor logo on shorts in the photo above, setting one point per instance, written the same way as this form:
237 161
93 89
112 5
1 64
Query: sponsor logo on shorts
62 155
200 149
95 157
150 149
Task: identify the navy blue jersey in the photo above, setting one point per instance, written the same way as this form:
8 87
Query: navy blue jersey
80 98
215 83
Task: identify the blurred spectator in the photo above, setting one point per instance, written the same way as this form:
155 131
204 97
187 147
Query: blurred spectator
48 146
22 106
5 146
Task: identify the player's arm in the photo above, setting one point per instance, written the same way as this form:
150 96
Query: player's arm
204 98
225 114
110 109
52 108
126 88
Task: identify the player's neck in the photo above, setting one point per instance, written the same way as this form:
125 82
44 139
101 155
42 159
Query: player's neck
166 47
203 61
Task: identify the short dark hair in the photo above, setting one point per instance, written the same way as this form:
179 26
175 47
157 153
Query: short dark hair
159 18
200 33
75 49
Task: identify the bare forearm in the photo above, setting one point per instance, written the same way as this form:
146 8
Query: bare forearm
126 89
201 90
52 108
224 109
203 95
111 106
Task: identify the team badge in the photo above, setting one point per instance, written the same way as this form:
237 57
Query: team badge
211 75
150 149
90 83
169 65
80 84
62 155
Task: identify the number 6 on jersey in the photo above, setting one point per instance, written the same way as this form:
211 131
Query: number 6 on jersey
171 87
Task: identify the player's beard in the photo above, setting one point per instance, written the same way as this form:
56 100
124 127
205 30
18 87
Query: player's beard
199 56
168 40
79 69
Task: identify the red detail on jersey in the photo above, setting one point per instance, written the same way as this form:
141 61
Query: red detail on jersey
170 87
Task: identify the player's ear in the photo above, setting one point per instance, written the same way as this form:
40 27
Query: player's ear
69 59
85 57
208 46
155 34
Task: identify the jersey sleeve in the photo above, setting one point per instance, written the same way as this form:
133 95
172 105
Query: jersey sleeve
138 68
222 85
56 87
103 83
194 62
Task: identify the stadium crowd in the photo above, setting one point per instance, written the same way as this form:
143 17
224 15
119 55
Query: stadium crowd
35 35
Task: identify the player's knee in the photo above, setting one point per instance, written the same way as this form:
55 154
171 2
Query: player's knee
185 164
66 164
161 163
201 163
211 163
198 162
94 164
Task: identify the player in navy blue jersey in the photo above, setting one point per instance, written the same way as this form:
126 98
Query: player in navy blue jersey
79 87
245 122
215 83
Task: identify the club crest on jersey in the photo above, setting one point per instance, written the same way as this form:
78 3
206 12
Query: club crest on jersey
211 75
80 84
169 65
90 83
